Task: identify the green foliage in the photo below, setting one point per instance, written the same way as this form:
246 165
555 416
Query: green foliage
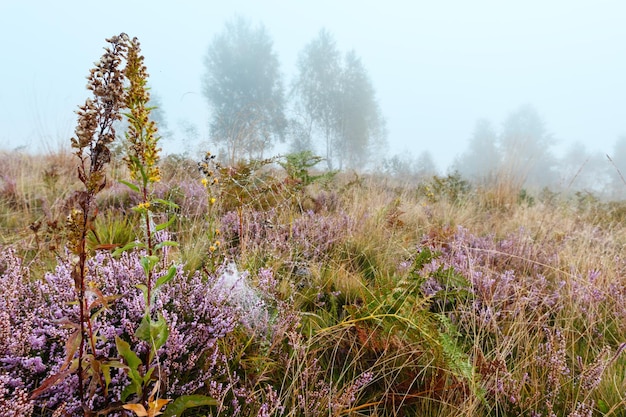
132 366
403 316
524 197
185 402
298 166
452 187
155 332
111 231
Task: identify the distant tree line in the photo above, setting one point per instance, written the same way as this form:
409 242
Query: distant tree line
522 153
330 106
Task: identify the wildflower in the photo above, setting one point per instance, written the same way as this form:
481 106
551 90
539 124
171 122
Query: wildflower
155 175
142 134
144 206
204 182
591 376
212 248
212 200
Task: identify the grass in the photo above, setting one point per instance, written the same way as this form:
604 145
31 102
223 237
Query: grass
384 299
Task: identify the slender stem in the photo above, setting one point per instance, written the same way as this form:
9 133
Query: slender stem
150 247
81 304
80 283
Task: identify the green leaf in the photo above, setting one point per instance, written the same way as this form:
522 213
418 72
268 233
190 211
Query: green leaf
143 331
154 332
129 390
148 376
106 372
148 263
132 365
160 245
131 358
144 290
165 225
145 263
166 203
166 278
422 258
184 402
603 407
162 332
131 186
128 246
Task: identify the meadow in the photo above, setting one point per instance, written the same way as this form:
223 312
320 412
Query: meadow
334 295
139 284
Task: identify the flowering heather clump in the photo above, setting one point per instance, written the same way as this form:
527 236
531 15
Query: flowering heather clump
310 237
508 277
514 276
552 357
517 288
19 331
198 310
14 402
30 337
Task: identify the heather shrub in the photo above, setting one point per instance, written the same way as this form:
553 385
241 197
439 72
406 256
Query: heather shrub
309 237
522 304
14 401
201 311
24 324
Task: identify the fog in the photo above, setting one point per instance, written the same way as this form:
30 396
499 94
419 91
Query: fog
437 68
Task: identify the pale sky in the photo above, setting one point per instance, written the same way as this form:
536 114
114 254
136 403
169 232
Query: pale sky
437 66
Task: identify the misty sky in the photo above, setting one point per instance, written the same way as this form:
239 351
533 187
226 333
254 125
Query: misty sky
437 66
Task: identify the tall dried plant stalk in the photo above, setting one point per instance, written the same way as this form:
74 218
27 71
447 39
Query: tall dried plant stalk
94 133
